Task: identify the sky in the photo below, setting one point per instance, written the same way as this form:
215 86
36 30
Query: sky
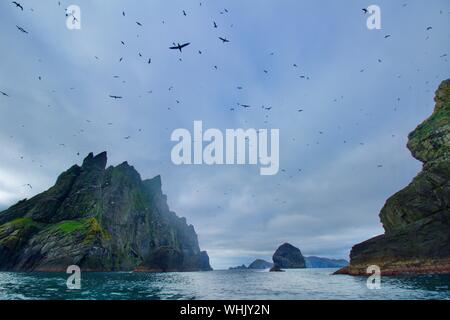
340 158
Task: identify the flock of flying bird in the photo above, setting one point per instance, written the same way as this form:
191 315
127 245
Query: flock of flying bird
183 46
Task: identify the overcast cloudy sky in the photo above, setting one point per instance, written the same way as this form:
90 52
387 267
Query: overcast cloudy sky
361 95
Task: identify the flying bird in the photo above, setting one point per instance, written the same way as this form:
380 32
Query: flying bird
115 97
139 24
4 94
365 10
224 40
215 24
179 46
18 5
22 29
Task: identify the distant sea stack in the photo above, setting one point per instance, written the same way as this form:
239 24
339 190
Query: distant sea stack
288 257
416 219
318 262
260 264
101 219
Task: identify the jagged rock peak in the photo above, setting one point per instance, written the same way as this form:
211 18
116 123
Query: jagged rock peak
99 160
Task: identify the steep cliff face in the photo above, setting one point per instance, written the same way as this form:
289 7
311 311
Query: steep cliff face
101 219
417 219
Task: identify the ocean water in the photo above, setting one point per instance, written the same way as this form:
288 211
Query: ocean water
222 285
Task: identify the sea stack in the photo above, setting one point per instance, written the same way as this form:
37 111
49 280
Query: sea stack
416 220
288 257
101 219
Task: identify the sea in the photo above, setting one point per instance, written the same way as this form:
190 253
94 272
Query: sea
300 284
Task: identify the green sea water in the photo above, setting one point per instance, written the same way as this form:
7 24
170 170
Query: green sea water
222 285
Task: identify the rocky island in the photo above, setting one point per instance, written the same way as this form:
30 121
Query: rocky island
287 257
101 219
416 219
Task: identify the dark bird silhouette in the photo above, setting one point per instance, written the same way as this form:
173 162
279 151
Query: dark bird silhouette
139 24
4 94
22 29
245 106
429 28
387 36
179 46
18 5
115 97
184 13
215 24
365 10
224 40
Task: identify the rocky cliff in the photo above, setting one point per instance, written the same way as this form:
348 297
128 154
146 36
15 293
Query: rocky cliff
101 219
416 219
